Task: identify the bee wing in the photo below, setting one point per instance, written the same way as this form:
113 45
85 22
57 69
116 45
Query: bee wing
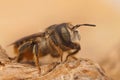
40 34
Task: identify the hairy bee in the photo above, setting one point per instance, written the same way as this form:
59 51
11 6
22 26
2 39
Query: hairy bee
55 40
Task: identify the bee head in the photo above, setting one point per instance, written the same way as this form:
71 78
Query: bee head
74 33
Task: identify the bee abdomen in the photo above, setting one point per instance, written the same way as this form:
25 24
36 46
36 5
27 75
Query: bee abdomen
17 45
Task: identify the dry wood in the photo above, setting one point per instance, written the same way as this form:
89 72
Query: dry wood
82 69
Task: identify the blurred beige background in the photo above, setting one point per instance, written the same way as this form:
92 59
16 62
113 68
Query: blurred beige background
19 18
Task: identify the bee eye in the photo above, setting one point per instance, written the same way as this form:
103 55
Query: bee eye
65 34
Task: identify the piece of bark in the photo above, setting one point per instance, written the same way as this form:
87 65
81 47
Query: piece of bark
82 69
4 59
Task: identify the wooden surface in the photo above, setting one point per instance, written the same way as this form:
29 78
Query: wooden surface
82 69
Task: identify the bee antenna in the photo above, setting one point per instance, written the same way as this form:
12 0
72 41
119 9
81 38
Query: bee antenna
78 25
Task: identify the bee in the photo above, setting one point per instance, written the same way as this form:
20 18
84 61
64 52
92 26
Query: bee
55 40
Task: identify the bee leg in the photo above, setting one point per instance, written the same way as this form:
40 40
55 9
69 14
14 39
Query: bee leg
76 47
21 50
60 52
74 57
36 56
20 57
